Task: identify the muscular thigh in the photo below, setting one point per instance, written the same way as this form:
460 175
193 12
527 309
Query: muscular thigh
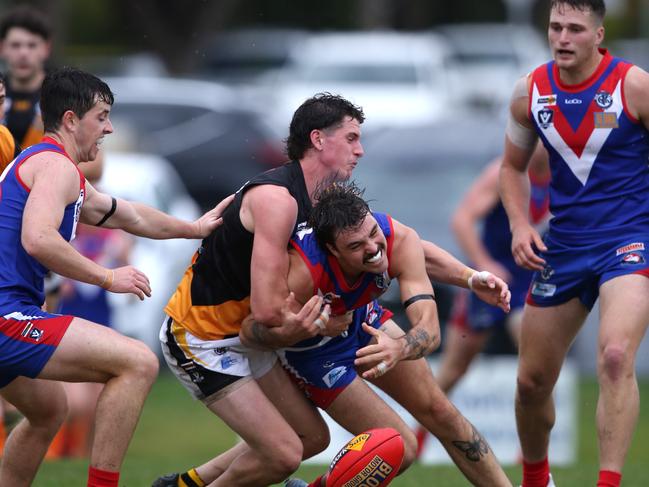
546 335
248 412
91 353
291 402
33 397
624 310
359 408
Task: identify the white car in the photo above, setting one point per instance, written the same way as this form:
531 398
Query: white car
397 78
149 179
486 59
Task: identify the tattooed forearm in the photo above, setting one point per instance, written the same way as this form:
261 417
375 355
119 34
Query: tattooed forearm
261 335
418 343
474 449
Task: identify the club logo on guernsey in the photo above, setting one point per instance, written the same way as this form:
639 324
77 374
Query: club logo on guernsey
545 117
603 99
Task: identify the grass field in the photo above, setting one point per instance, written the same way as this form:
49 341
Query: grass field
175 433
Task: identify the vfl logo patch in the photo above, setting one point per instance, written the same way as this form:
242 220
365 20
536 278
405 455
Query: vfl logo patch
632 258
543 289
603 99
605 120
545 117
30 331
629 248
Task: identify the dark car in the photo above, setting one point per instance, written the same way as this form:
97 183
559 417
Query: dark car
213 140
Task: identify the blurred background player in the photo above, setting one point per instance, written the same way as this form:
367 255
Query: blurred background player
25 37
473 320
7 143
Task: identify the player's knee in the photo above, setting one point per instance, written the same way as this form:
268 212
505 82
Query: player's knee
409 449
51 413
316 442
615 361
145 363
285 459
531 387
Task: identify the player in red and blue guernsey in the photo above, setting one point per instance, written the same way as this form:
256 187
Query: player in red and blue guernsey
43 196
364 251
591 111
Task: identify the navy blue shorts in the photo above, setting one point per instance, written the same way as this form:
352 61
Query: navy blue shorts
577 271
324 369
28 338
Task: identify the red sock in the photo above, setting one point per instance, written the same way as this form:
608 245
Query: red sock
607 478
536 474
316 482
102 478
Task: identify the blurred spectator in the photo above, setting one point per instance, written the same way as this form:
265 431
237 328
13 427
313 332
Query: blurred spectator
25 37
7 143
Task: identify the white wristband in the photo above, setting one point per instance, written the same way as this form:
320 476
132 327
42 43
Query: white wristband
321 320
482 276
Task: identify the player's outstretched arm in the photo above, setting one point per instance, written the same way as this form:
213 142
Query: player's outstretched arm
145 221
442 267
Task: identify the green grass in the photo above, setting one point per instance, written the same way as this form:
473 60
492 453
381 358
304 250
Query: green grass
176 432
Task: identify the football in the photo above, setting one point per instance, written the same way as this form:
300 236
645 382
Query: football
371 459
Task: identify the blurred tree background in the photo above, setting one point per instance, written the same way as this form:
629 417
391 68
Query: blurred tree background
176 29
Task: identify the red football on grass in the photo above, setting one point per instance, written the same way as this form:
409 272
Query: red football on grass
371 459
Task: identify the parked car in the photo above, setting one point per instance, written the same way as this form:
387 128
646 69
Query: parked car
398 79
486 59
241 56
152 180
212 139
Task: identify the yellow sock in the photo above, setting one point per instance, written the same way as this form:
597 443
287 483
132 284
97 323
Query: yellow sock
190 479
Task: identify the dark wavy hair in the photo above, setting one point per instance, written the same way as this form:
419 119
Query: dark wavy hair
27 18
319 112
70 89
339 207
596 6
